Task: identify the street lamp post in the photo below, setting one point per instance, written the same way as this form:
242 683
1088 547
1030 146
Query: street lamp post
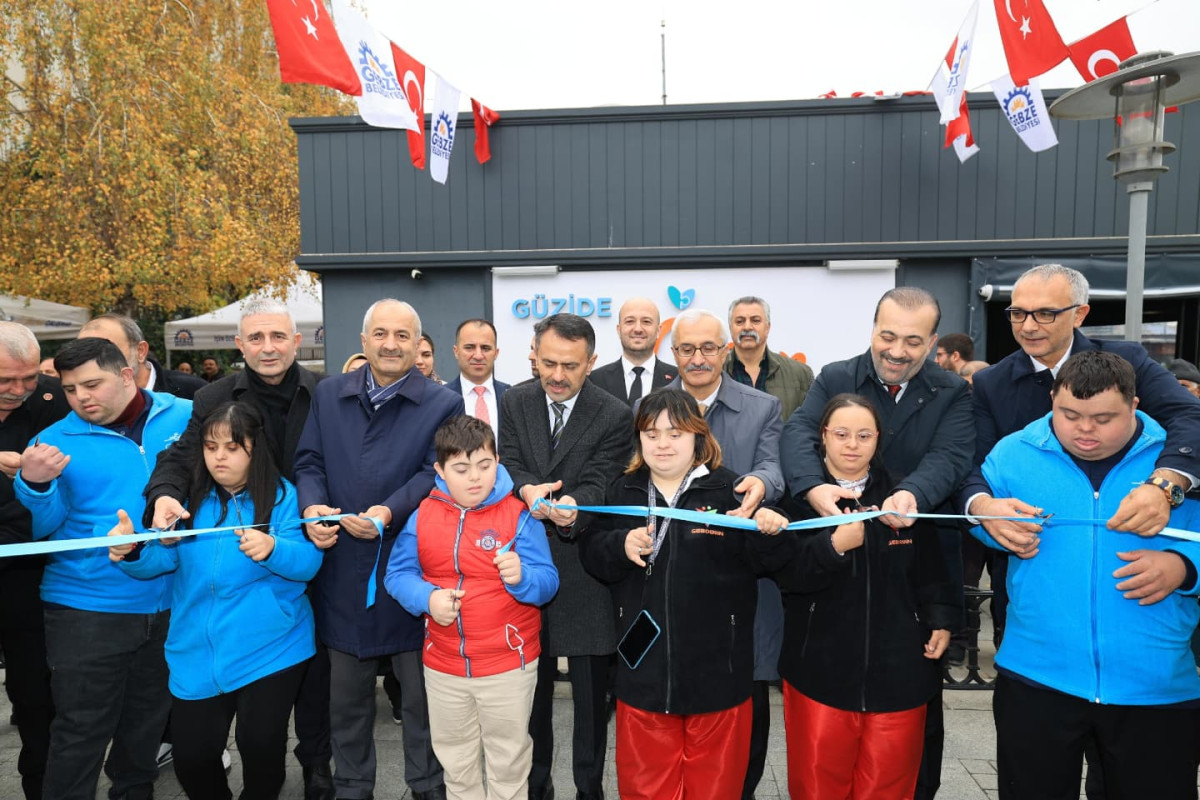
1136 96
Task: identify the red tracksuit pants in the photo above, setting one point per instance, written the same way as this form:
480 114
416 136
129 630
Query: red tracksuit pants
682 756
848 755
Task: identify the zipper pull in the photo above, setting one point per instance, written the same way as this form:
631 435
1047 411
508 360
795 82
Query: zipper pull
649 568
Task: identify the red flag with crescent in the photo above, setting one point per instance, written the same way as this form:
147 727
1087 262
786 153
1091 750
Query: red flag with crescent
1031 42
308 46
1102 52
484 119
411 75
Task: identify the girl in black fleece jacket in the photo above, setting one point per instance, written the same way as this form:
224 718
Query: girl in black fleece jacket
866 615
689 690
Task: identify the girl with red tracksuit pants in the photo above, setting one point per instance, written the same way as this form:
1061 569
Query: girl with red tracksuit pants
684 595
867 610
477 565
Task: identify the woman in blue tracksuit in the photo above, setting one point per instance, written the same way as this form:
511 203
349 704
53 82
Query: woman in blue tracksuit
241 626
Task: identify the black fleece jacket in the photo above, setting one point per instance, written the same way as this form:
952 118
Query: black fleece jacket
855 625
702 592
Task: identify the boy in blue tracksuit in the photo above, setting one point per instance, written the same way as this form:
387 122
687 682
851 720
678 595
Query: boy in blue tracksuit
104 630
1099 621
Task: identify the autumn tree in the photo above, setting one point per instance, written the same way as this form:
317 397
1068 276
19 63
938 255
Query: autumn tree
146 164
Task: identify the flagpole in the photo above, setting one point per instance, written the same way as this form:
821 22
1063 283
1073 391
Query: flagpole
664 60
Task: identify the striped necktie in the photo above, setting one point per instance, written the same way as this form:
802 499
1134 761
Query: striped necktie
556 432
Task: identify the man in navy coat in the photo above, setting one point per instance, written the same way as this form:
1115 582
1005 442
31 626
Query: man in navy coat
927 441
1016 390
367 449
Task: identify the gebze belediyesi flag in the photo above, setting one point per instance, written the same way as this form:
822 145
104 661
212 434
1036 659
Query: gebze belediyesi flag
1026 111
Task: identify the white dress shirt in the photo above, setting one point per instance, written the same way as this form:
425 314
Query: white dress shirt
489 399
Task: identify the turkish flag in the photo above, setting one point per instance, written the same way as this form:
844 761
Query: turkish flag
1031 42
484 119
411 74
309 48
958 133
1101 53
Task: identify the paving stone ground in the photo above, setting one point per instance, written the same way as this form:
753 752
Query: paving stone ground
968 769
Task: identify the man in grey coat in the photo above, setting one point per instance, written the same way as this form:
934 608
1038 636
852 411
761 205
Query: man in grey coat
563 438
747 424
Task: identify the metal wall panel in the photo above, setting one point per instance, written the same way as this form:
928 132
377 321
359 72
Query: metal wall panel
823 175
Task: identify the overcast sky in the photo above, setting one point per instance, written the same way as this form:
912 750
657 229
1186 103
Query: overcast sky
566 53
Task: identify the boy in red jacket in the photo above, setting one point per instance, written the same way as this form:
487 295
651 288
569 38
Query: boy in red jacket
474 562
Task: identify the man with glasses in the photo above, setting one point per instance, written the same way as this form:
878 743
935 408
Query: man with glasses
1049 303
747 424
926 441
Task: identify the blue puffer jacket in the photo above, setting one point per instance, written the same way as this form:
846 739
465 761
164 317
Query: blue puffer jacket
1069 628
107 472
234 620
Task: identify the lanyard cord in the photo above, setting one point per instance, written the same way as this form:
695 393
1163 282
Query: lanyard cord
659 535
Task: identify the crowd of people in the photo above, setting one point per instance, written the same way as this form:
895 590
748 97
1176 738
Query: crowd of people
309 529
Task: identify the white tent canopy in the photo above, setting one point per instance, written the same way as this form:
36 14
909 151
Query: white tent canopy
216 329
47 320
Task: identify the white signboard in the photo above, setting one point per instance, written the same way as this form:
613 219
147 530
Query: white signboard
824 314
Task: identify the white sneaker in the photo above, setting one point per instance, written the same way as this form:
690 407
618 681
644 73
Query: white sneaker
226 761
166 754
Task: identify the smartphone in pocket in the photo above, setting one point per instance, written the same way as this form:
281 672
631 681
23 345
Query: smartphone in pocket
638 640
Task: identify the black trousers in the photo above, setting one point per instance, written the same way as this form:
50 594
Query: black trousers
589 679
200 729
27 677
1145 751
760 731
312 712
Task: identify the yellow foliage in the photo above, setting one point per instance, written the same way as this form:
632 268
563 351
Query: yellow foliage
145 156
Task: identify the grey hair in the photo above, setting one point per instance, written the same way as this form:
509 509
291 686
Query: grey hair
19 342
751 300
695 315
405 306
1044 272
265 305
129 327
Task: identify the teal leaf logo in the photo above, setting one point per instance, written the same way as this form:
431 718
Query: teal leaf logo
681 299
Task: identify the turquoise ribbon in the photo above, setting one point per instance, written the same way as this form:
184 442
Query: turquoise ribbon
707 517
66 545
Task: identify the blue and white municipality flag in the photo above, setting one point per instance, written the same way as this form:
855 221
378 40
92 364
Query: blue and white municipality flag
1026 111
383 102
443 125
950 81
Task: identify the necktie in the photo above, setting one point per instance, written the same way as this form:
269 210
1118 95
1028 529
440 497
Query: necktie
481 410
893 390
556 432
635 388
703 408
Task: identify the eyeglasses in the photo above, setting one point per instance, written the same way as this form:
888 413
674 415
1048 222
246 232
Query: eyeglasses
708 349
1042 316
843 435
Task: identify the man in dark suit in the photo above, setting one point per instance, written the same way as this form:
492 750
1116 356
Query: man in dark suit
29 403
126 334
475 351
1049 304
637 372
1016 390
565 438
927 441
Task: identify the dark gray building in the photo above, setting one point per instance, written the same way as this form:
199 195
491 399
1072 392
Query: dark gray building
731 186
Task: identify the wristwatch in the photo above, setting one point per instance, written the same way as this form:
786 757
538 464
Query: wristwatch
1174 492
